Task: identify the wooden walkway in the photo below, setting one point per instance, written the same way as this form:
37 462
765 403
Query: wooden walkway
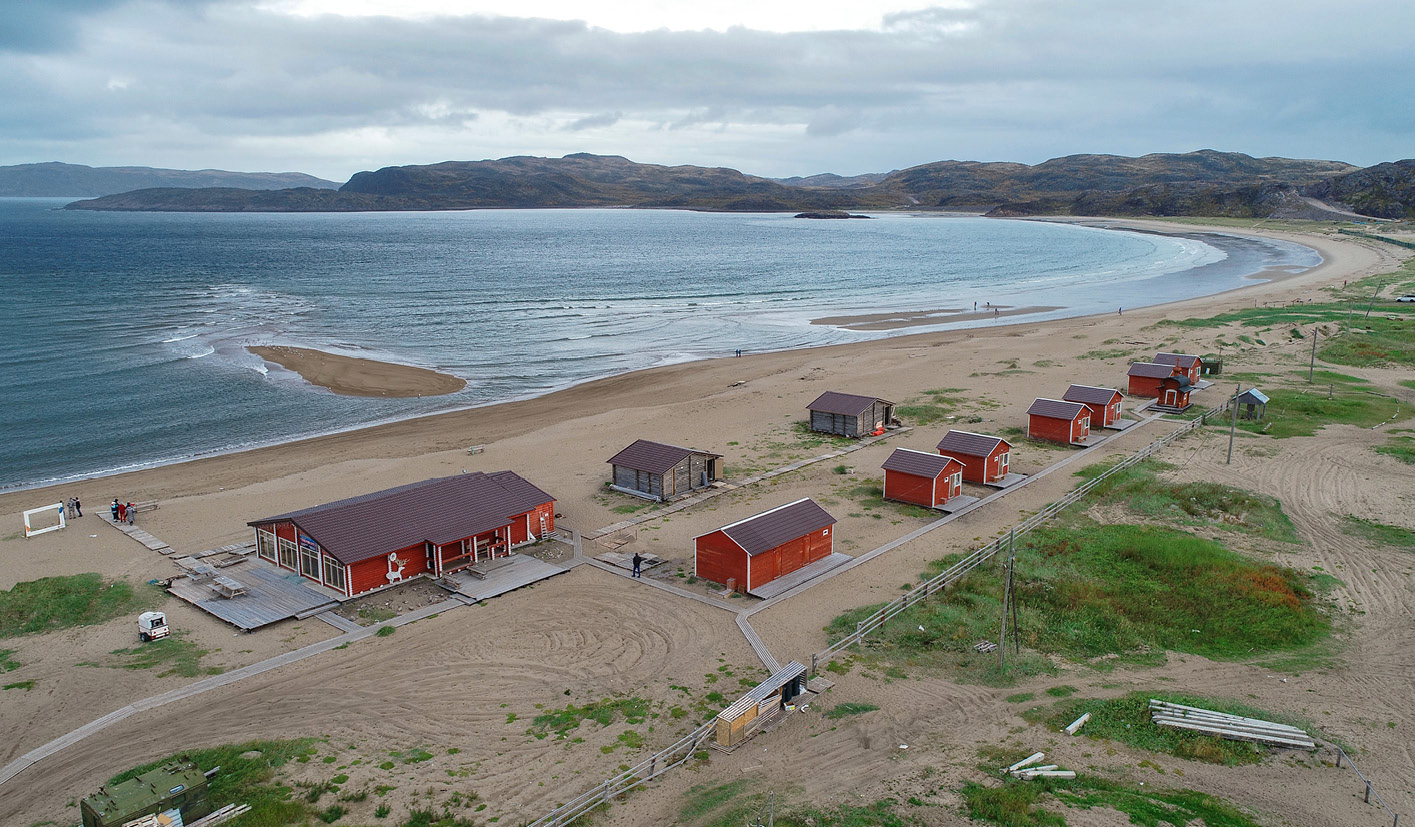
516 571
137 534
799 576
271 596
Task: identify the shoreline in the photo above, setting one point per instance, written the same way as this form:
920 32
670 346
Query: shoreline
351 438
353 376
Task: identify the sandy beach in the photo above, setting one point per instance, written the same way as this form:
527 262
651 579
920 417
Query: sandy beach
588 634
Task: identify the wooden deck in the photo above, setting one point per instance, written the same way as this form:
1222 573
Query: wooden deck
1122 424
514 572
957 503
270 597
799 576
1007 481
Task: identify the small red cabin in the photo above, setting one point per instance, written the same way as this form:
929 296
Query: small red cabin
1184 364
1103 402
433 527
985 458
1145 378
1055 420
922 478
1174 393
753 552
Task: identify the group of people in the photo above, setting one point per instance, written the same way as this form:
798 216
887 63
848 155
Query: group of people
122 512
75 507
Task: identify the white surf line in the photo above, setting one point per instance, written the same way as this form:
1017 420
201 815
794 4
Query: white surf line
37 754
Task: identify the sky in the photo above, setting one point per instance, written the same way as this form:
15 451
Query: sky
770 87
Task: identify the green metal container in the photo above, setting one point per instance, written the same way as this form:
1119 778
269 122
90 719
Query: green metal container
180 785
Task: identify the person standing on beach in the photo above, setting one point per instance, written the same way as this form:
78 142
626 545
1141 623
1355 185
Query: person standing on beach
638 563
131 512
114 509
69 505
122 511
78 508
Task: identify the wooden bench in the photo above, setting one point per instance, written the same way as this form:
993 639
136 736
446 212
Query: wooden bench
150 505
226 586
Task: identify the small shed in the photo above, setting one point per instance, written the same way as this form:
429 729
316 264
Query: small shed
1145 378
848 414
661 472
985 458
1055 420
1103 402
760 705
1183 363
1252 404
750 553
922 478
1173 393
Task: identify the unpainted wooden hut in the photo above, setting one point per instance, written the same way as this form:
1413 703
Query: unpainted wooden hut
1055 420
753 552
661 472
922 478
848 414
985 458
760 705
1252 404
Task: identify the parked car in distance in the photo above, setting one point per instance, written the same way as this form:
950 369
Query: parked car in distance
1406 299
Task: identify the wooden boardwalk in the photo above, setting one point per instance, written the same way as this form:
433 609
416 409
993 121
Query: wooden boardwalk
136 533
271 596
514 572
790 581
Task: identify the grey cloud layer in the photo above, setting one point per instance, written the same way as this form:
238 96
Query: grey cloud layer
1019 80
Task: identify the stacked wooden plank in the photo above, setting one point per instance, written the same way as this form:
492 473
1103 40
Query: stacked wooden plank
1232 727
1027 769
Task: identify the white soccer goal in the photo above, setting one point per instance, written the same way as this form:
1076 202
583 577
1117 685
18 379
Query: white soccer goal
54 510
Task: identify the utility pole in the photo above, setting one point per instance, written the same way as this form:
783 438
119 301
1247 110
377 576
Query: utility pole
1234 426
1312 368
1379 285
1350 306
1009 602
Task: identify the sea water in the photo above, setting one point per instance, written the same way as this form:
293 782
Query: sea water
124 334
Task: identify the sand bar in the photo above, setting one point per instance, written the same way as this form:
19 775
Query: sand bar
352 376
921 318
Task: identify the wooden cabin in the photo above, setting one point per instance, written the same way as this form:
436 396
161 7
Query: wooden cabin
1183 363
1055 420
762 703
1174 393
661 472
429 528
753 552
846 414
1103 402
985 458
1145 378
922 478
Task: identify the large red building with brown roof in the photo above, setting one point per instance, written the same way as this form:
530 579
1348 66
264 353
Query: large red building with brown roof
757 550
433 527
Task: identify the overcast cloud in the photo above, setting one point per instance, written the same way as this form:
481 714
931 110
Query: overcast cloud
252 86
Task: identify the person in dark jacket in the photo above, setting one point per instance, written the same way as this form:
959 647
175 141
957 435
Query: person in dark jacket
638 562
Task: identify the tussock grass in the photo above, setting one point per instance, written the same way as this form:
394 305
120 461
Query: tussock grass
1400 447
1296 412
1017 803
1127 719
178 655
53 603
1141 490
1378 533
847 709
603 712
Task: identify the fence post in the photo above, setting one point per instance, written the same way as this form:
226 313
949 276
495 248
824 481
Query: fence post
1338 757
604 796
1368 792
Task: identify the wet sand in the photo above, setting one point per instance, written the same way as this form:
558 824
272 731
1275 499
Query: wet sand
920 318
352 376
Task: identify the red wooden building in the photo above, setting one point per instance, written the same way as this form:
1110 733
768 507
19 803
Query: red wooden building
1103 402
1055 420
922 478
1184 364
433 527
985 458
1160 383
750 553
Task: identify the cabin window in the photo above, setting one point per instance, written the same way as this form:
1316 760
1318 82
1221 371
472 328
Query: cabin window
309 561
825 532
333 573
287 553
265 544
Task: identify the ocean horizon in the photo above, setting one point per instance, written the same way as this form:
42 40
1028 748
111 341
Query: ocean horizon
126 333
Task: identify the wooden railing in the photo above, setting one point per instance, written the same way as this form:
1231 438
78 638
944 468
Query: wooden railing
956 571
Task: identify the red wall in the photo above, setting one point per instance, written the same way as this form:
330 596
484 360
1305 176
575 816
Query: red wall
981 469
1103 415
790 556
373 572
909 488
1053 429
1145 386
718 559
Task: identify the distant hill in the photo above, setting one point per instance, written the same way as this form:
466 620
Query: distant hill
56 180
1383 191
1194 183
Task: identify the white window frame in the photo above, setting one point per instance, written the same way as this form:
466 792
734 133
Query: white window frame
339 580
309 558
265 544
288 547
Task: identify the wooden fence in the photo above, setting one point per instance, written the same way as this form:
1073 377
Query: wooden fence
955 572
1370 790
1387 239
655 765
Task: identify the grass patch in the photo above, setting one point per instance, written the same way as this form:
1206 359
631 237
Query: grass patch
248 780
1106 593
7 661
1106 353
177 655
1378 533
385 631
1141 490
1400 447
603 712
1127 720
847 709
1017 803
1331 377
369 615
703 800
934 406
53 603
1021 697
1303 412
25 685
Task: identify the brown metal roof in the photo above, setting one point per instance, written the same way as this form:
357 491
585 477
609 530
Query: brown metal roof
918 463
1153 370
653 457
1183 360
967 443
846 404
436 511
770 529
1090 395
1057 409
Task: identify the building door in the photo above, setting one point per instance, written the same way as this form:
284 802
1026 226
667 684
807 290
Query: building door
955 484
1170 396
1002 460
